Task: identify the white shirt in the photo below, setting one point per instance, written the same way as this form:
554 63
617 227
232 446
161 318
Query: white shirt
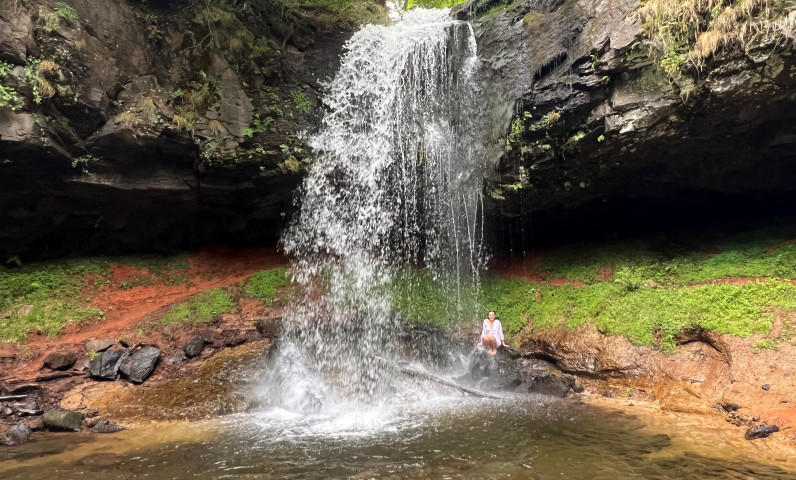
496 331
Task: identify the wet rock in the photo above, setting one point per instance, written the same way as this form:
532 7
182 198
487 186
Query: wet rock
585 351
741 420
729 407
760 431
59 418
106 365
269 327
766 387
6 412
16 435
552 384
194 346
91 412
104 426
100 345
60 360
141 361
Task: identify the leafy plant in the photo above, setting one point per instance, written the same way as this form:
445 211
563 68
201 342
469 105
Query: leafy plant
65 11
301 102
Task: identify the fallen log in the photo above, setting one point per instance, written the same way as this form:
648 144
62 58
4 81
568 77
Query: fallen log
431 377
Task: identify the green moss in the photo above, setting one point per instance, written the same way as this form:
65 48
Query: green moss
421 299
763 253
432 3
531 17
204 307
46 297
263 285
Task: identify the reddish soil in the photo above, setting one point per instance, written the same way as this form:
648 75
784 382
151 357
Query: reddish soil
125 306
526 268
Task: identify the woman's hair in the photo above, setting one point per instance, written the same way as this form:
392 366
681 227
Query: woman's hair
491 311
489 342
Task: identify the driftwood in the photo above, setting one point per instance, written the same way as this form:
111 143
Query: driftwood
13 397
428 376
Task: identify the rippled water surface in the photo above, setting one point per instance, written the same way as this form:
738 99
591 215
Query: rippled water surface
442 438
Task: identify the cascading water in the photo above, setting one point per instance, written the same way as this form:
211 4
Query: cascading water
397 182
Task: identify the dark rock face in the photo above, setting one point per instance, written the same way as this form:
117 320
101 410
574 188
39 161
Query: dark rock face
16 435
141 361
60 360
59 418
603 139
194 346
124 156
106 365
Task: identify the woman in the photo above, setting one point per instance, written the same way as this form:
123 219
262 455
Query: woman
492 328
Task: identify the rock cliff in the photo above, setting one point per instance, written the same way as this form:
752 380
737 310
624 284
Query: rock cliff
135 126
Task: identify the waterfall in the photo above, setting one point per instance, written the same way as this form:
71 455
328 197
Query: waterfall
397 182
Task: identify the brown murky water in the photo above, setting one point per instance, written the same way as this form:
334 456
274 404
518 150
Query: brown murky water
441 438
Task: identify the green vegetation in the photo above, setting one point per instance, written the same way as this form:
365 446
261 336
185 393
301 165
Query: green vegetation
204 307
46 297
263 285
432 3
302 103
691 31
648 291
9 97
65 11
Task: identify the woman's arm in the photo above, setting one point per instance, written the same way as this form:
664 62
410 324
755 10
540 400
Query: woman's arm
499 333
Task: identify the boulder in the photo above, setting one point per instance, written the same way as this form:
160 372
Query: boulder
269 327
16 435
58 418
106 365
141 361
585 351
194 346
99 344
61 360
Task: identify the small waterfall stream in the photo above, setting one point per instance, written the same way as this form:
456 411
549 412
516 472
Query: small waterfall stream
397 183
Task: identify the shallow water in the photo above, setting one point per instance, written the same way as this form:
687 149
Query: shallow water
442 438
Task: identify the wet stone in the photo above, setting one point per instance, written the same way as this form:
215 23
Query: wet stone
59 418
16 435
194 346
106 365
60 360
104 426
99 345
760 431
140 363
766 387
269 327
20 389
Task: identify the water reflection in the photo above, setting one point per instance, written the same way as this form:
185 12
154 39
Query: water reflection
441 438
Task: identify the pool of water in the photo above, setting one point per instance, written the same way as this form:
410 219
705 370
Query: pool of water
446 437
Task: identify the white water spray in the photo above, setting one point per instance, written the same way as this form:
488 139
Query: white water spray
397 182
